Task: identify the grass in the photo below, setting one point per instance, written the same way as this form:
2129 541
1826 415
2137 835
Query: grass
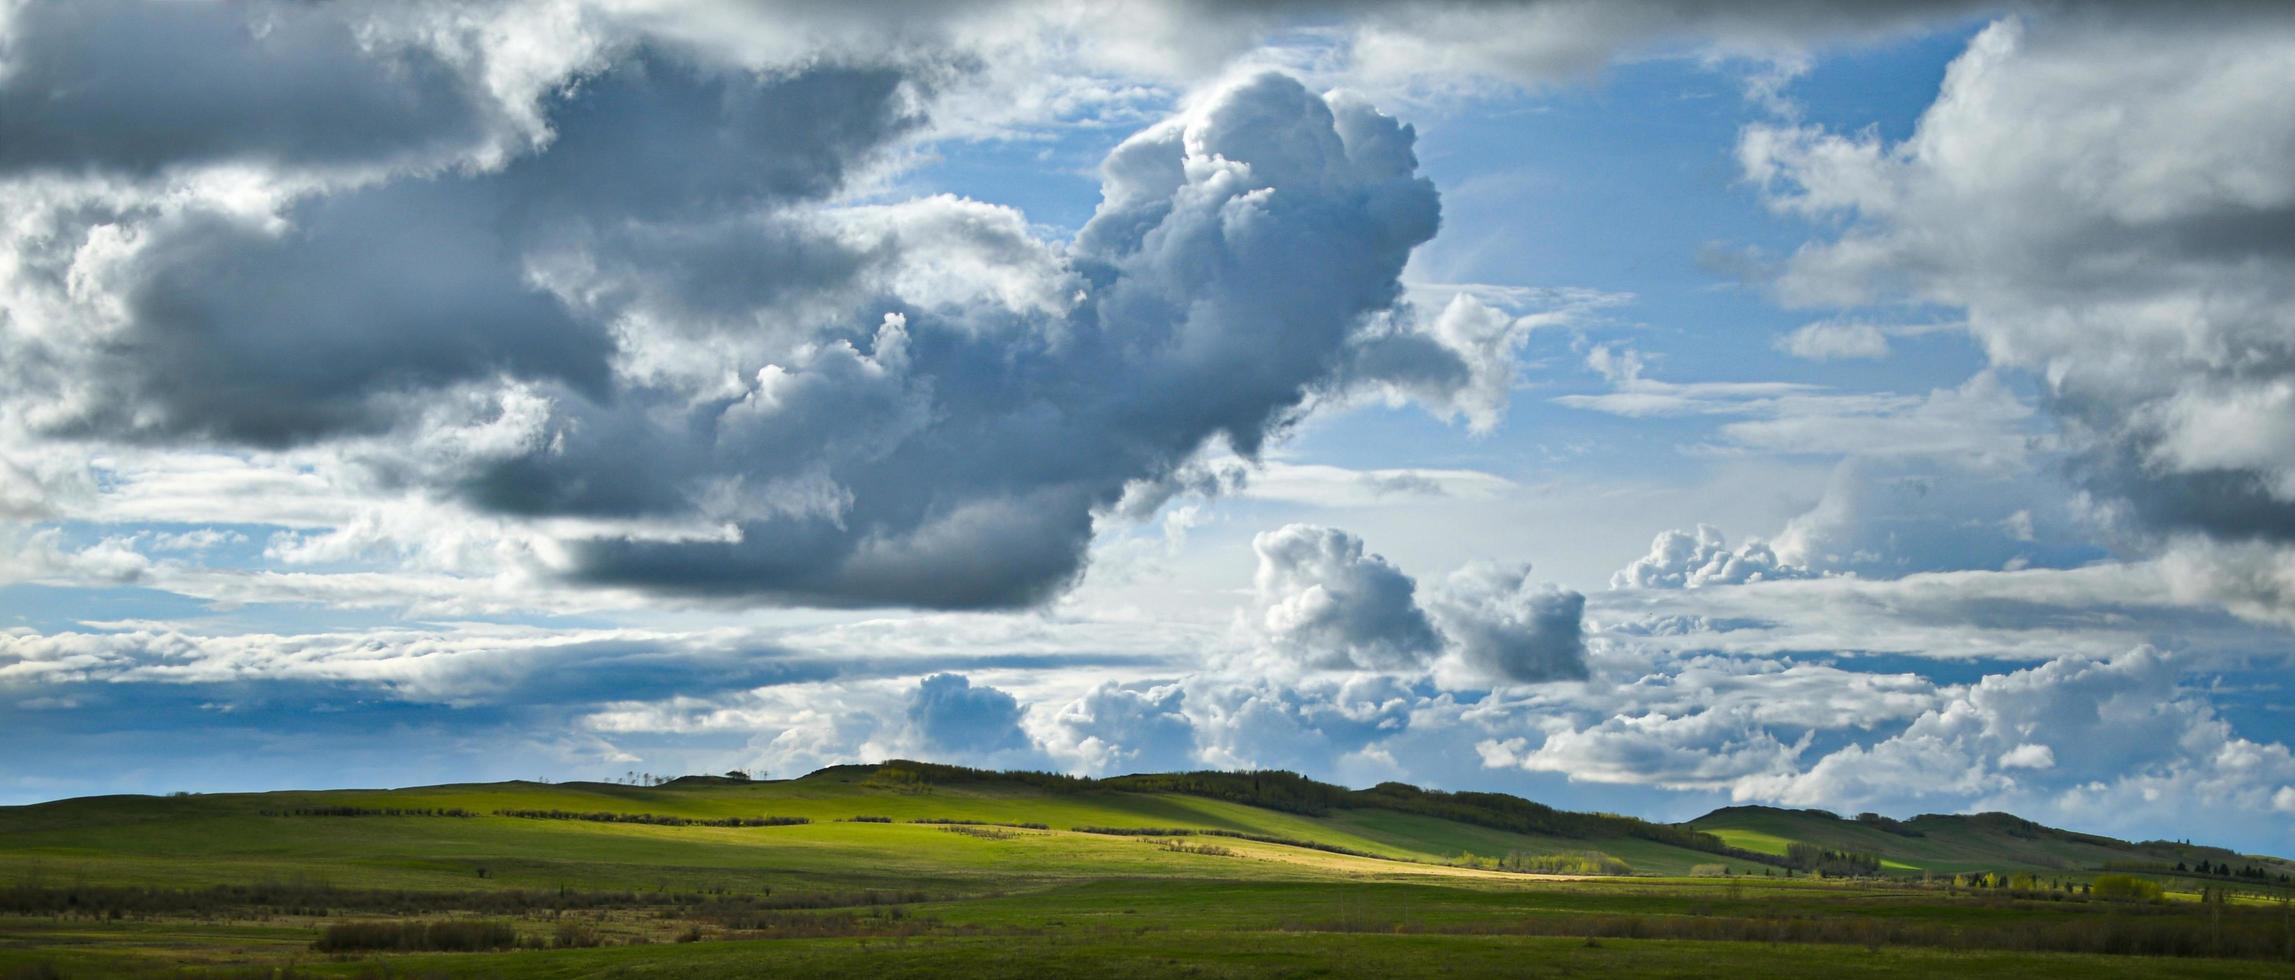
229 885
1207 954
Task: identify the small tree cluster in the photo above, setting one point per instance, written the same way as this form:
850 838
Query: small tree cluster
1811 857
1565 863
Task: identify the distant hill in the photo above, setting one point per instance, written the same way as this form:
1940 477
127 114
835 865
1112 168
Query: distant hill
1931 843
1954 843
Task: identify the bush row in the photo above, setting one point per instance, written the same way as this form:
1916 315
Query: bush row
465 936
657 819
369 811
315 899
952 821
1313 845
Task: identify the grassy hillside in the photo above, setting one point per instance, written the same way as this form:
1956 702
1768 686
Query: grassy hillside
1951 844
911 869
254 837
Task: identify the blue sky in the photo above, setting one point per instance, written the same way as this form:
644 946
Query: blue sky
688 387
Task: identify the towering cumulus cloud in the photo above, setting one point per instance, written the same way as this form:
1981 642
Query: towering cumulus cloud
615 294
1325 601
955 457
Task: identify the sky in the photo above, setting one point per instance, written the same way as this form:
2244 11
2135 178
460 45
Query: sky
1644 406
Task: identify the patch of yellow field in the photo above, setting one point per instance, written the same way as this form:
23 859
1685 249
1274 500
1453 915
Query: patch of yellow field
1348 864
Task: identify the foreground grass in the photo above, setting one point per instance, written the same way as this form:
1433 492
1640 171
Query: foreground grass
1194 954
1205 925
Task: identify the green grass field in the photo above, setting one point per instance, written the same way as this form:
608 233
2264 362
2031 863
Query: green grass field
255 884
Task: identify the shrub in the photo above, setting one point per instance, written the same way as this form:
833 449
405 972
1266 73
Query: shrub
984 833
576 935
2126 888
960 822
454 936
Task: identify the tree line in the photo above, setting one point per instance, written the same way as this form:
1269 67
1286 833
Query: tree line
2252 872
1835 863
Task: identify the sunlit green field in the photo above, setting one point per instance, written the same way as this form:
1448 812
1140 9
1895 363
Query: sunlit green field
127 886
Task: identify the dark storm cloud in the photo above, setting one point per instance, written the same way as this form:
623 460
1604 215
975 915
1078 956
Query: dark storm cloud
2228 503
274 338
369 297
121 87
657 137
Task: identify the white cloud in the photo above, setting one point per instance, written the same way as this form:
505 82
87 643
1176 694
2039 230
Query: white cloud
1833 340
2107 743
1981 417
1460 361
1707 749
1884 517
1323 485
1322 602
2030 755
2027 615
1504 628
1322 599
1118 728
2102 192
1446 47
1695 559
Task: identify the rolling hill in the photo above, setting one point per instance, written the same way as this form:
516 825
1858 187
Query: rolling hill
1957 843
845 811
1016 874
